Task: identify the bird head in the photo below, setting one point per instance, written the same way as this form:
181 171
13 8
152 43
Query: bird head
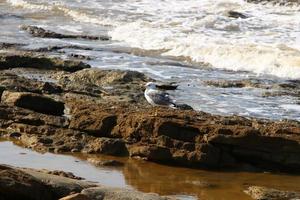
150 85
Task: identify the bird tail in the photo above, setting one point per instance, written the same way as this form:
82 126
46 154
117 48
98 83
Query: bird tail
173 105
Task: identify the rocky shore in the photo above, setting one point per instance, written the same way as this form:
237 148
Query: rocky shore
54 105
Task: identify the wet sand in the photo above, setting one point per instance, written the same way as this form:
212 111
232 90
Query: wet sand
150 177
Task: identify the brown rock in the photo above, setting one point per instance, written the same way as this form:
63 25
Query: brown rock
35 102
151 152
110 163
15 184
58 185
101 124
13 82
178 131
263 193
30 60
108 146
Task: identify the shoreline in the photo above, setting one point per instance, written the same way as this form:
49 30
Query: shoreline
104 111
63 106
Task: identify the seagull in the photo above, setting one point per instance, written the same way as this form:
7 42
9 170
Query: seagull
157 97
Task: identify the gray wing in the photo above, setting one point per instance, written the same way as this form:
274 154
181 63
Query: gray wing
160 98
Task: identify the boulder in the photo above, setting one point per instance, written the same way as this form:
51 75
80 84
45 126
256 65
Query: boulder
16 184
235 14
58 185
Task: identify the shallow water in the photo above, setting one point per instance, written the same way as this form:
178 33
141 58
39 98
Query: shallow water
188 42
150 177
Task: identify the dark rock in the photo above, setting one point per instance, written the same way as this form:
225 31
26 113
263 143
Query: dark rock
4 45
266 152
62 174
57 48
11 81
184 107
235 14
15 135
40 62
233 83
176 131
1 90
51 88
78 56
40 32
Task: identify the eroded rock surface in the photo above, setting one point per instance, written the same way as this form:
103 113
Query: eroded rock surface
104 112
35 102
263 193
15 184
31 60
30 184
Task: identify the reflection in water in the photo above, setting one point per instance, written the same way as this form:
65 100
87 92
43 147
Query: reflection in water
165 180
150 177
20 157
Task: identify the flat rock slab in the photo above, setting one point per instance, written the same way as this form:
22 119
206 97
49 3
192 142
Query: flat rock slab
40 32
110 193
33 60
16 184
30 184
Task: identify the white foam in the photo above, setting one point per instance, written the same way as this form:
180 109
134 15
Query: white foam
292 107
27 5
83 17
249 50
265 43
